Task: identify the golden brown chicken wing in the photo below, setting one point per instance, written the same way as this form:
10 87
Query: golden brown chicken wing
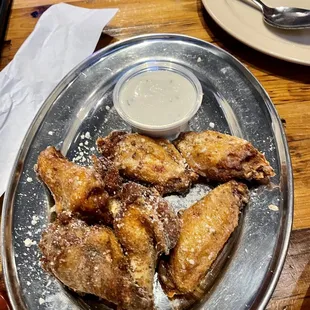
220 157
152 161
89 259
75 188
205 228
146 226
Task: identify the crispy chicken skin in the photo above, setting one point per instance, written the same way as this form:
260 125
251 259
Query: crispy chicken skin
89 259
146 226
109 173
75 188
153 161
205 228
220 157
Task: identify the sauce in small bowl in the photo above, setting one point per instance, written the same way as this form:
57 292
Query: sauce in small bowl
158 98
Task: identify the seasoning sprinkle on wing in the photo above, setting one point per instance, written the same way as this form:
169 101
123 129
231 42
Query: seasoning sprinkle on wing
205 228
89 259
83 190
220 157
146 226
152 161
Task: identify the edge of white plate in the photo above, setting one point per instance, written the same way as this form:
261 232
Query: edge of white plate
254 46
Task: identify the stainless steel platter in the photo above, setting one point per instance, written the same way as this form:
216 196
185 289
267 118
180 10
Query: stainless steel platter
80 109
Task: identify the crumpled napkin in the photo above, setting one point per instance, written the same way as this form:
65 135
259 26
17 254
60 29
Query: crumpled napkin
63 37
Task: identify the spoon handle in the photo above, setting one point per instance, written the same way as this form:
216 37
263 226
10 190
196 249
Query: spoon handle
259 3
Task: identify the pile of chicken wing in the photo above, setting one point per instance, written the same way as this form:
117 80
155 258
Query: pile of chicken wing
114 229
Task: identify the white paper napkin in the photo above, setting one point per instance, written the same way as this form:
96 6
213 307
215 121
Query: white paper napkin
63 37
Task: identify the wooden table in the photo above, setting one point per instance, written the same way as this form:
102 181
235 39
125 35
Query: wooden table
287 84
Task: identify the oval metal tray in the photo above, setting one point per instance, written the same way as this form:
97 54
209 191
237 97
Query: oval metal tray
80 109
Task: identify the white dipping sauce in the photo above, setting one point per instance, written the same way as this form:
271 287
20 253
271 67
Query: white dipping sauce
157 97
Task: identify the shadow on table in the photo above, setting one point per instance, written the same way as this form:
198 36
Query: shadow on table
306 302
104 41
247 54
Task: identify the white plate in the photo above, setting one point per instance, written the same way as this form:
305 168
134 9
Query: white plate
245 22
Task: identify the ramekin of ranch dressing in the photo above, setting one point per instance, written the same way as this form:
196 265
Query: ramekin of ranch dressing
158 98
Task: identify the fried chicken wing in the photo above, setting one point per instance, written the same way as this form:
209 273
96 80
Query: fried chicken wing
75 188
89 259
146 226
152 161
205 228
220 157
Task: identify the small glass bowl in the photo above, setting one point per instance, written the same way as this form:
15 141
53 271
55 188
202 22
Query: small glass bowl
168 130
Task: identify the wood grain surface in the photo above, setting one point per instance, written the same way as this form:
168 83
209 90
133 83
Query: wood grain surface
287 84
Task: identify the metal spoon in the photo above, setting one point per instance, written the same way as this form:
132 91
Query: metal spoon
285 17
